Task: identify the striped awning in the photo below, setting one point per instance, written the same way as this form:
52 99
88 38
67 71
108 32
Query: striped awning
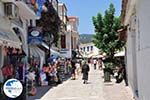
9 38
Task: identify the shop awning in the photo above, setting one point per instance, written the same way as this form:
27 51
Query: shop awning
97 56
119 54
34 52
53 52
9 38
37 53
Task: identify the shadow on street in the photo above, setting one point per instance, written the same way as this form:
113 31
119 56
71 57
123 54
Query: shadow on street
42 90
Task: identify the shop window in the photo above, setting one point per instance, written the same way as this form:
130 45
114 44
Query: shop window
11 10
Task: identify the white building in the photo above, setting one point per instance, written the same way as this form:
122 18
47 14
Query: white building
71 37
62 12
14 16
136 18
88 50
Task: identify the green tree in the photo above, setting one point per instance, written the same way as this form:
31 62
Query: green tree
106 37
50 23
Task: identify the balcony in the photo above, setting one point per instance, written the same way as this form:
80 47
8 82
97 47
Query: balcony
26 8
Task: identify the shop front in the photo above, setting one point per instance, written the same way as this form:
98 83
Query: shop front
37 56
11 58
10 47
36 59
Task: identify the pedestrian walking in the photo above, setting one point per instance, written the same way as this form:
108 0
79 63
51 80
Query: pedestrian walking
95 62
100 64
78 69
122 76
73 73
85 71
37 73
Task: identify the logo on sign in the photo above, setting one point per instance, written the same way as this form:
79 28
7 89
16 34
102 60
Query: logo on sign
13 88
35 36
35 33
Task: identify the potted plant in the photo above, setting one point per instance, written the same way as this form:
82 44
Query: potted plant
108 70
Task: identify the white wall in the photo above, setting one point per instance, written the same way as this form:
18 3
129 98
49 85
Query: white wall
95 50
4 25
138 50
1 9
74 24
143 57
132 59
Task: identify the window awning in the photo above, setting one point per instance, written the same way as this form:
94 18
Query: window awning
119 54
9 38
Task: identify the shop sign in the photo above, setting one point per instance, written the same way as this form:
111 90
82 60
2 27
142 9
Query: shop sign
35 36
35 33
64 51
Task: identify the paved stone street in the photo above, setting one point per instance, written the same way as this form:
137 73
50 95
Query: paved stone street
95 90
113 91
76 90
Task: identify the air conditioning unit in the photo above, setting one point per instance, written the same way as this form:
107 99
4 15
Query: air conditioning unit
11 10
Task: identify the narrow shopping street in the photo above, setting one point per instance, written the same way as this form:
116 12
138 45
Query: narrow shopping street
45 43
95 90
76 90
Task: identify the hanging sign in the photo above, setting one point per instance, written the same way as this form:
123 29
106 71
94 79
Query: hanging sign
35 35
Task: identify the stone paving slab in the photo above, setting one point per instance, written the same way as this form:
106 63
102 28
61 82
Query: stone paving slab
115 91
76 90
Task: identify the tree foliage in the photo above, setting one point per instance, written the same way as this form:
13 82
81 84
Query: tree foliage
106 37
50 23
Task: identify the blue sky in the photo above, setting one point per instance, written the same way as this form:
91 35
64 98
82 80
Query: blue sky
85 9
